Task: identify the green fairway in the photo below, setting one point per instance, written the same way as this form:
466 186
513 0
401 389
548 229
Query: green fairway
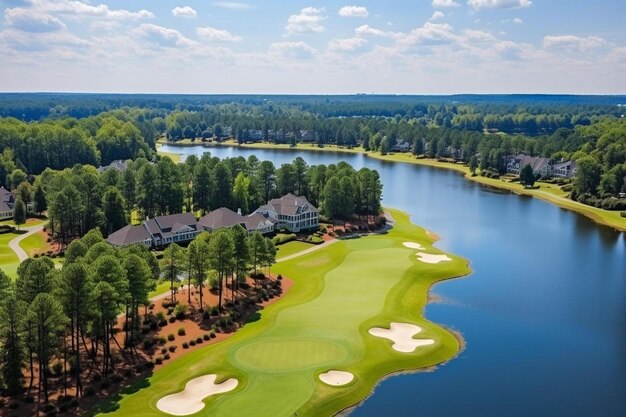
8 259
291 248
339 293
33 243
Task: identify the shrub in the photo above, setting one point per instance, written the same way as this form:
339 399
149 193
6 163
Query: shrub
163 351
171 337
172 348
181 331
172 319
161 340
149 365
623 214
206 336
185 345
281 238
57 368
213 335
166 356
199 340
159 361
180 311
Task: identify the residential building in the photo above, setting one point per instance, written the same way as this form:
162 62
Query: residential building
159 231
118 164
291 212
401 146
224 217
7 202
565 169
540 166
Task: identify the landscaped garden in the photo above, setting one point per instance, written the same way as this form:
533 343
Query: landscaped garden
352 316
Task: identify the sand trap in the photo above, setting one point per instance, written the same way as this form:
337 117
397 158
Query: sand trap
413 245
401 334
336 378
432 259
189 401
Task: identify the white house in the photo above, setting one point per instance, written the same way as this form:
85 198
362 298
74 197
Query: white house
291 212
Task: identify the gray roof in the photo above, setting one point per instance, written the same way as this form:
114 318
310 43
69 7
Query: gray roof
7 199
536 163
220 218
289 205
118 164
128 235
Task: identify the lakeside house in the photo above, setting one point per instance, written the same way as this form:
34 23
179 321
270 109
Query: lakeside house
291 212
7 203
118 164
542 167
288 212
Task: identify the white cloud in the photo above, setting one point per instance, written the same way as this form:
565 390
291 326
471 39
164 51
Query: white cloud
184 11
518 21
309 20
28 21
347 44
471 35
440 4
353 11
572 42
436 16
81 9
295 50
367 30
216 35
233 5
430 34
162 36
498 4
36 42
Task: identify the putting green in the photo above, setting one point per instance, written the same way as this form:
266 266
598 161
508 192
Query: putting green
339 293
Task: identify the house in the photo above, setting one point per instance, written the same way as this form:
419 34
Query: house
159 231
541 166
224 217
118 164
291 212
401 146
7 201
565 169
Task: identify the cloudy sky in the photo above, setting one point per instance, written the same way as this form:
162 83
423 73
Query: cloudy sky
293 46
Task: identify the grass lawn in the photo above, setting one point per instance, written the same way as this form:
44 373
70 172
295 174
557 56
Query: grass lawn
339 293
161 288
8 258
547 192
290 248
33 243
29 222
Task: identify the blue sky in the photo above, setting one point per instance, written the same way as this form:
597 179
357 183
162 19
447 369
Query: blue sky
319 47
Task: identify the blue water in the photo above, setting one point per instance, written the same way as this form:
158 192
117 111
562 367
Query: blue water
543 314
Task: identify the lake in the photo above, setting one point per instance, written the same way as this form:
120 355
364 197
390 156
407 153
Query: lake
543 314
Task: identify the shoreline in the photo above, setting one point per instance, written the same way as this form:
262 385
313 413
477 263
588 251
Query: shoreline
607 218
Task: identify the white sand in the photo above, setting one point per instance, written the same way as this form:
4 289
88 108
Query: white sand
401 334
413 245
336 378
432 259
189 401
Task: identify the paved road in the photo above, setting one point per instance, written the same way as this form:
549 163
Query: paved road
15 243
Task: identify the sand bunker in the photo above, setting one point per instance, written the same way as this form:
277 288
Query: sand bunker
401 334
189 401
413 245
336 378
432 259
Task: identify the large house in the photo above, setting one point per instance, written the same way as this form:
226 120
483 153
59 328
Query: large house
291 212
159 231
118 164
7 202
224 217
542 167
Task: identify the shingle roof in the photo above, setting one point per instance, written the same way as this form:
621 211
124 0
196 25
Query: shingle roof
118 164
290 205
220 218
7 200
128 235
166 223
257 221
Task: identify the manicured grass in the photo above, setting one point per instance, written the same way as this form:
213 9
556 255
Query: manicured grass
290 248
29 222
8 259
339 293
161 288
34 243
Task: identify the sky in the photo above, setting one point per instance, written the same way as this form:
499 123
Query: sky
314 47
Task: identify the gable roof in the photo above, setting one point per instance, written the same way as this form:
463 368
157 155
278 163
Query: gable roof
166 223
118 164
7 200
290 205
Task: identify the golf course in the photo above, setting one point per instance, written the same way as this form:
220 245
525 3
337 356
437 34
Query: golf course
352 317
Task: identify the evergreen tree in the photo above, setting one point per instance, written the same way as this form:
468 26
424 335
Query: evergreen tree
19 212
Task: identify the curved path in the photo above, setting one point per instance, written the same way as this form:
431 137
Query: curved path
307 251
15 243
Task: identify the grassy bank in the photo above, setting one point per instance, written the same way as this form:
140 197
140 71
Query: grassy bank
338 294
547 192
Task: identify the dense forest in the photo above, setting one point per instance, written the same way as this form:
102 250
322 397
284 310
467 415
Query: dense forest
481 131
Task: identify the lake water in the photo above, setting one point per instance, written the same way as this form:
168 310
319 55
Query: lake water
543 314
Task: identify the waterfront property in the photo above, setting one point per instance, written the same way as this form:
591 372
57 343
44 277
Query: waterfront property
291 212
118 164
288 212
542 167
